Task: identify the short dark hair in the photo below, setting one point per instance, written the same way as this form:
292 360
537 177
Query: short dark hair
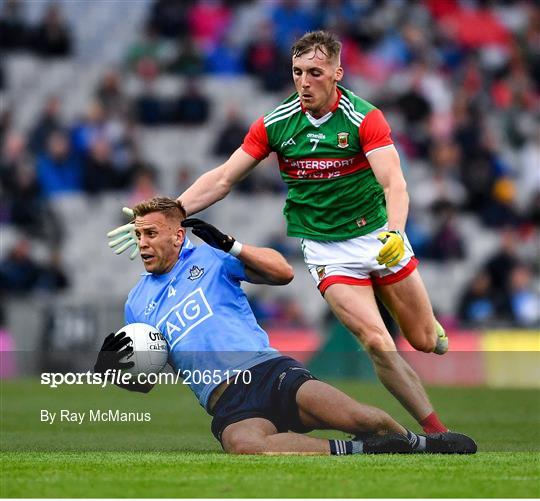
172 208
324 41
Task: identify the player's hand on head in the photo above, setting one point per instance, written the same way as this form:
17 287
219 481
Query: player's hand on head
123 237
114 349
393 249
209 233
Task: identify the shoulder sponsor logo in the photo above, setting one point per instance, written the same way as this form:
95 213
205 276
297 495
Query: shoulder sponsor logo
343 139
171 291
289 142
195 272
185 316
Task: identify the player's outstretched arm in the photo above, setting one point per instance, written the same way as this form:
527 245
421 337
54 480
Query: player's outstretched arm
263 265
217 183
386 167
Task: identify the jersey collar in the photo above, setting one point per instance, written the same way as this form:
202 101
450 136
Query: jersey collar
317 122
185 251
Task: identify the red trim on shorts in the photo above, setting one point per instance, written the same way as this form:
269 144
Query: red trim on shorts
341 279
398 276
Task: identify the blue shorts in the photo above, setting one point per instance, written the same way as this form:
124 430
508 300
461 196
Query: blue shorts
271 395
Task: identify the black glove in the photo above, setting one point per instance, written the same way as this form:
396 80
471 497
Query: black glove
112 351
210 234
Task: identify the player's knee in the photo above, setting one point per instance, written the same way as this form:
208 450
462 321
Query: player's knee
377 340
424 341
240 444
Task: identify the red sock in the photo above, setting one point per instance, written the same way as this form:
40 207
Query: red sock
432 424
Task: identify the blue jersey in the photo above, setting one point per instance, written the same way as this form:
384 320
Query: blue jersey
204 315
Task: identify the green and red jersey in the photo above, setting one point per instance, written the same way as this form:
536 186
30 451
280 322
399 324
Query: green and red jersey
332 191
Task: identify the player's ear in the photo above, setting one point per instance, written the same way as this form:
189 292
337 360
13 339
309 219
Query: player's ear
180 236
339 74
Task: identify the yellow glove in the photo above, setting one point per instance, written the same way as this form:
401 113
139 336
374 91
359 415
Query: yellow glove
393 248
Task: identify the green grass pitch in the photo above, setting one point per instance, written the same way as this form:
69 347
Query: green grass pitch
175 455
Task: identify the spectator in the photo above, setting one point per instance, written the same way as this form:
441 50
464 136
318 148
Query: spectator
291 21
225 59
524 300
144 186
59 169
148 54
184 178
26 206
192 107
52 277
262 50
264 59
444 185
208 21
150 109
416 111
168 18
89 128
48 122
13 154
499 268
52 37
500 209
99 171
13 28
18 271
231 135
446 243
533 211
111 95
476 306
189 60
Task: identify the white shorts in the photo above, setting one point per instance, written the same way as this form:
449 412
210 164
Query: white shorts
354 261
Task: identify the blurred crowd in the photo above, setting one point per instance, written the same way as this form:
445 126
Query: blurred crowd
459 82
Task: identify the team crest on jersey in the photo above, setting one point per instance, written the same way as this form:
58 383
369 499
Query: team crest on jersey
343 139
195 272
361 222
321 271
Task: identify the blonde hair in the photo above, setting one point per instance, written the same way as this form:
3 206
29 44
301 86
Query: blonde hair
324 41
171 208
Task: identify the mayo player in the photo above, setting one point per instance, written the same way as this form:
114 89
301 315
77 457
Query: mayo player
193 296
347 202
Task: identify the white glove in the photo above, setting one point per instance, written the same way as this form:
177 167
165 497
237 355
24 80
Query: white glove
123 237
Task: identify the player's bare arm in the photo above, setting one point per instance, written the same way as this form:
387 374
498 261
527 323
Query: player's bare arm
217 183
387 169
265 266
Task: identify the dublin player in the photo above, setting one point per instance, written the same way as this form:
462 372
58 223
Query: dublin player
193 295
347 201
